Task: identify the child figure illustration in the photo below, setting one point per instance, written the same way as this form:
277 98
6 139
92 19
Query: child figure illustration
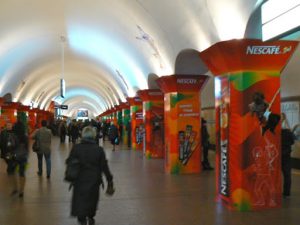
264 168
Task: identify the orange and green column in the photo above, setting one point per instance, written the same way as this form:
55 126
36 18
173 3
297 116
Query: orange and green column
137 126
182 122
125 120
153 115
247 96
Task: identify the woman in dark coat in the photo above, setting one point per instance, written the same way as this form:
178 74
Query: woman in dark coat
86 186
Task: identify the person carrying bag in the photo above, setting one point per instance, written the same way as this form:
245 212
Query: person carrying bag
84 168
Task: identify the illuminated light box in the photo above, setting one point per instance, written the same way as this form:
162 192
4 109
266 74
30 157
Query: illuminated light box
62 88
280 18
82 113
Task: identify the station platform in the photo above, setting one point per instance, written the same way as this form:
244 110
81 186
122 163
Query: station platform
145 195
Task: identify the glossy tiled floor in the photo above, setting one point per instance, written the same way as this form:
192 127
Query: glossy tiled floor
144 196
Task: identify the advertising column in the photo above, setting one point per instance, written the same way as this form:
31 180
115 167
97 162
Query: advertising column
247 96
137 126
125 121
182 122
153 114
23 113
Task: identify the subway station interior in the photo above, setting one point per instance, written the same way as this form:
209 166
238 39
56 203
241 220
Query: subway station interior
163 72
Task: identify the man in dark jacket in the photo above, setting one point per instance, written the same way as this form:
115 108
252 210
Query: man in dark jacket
287 140
86 186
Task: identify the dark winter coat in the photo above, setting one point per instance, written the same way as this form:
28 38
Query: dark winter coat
86 187
113 133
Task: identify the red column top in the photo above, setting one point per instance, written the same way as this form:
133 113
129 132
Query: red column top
134 101
124 105
151 95
182 83
11 105
23 108
248 55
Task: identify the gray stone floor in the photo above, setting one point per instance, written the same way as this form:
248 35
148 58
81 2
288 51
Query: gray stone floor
144 196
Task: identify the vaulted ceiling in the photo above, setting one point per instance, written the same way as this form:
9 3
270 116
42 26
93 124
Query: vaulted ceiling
105 50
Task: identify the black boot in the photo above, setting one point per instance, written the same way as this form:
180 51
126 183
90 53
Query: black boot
82 221
91 221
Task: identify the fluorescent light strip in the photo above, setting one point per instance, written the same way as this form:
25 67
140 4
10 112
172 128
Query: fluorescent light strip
274 8
288 21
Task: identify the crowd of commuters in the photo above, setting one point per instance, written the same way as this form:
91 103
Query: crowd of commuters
84 136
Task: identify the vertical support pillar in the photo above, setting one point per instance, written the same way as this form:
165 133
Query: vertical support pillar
125 120
114 115
137 128
182 122
23 112
247 96
153 111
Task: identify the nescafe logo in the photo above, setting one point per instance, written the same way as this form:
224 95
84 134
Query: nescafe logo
186 81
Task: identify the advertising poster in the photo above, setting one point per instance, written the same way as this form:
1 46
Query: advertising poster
182 132
137 127
256 105
154 128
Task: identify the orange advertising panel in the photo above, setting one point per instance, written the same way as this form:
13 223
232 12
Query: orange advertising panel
182 133
248 128
9 112
182 122
137 126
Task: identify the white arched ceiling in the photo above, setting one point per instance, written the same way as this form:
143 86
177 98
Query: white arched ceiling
111 46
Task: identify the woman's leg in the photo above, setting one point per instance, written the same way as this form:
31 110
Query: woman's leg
11 167
40 163
22 179
48 164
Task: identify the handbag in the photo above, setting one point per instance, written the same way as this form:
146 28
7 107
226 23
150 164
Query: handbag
72 170
36 144
117 141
